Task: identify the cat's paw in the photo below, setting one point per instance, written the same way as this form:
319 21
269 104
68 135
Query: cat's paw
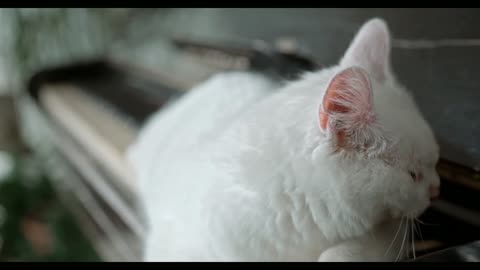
335 255
349 254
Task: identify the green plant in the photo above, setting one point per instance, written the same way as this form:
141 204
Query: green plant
34 224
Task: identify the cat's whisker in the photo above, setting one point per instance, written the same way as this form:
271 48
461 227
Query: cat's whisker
418 229
395 237
424 223
408 250
403 241
413 238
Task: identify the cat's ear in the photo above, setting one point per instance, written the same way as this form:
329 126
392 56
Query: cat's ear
370 49
347 112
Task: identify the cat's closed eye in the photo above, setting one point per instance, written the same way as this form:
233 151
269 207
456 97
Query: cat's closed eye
415 177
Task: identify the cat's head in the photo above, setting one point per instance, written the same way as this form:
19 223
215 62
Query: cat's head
377 137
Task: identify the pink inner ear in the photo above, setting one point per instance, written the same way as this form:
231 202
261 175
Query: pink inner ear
347 104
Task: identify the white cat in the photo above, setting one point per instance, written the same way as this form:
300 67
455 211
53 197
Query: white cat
331 167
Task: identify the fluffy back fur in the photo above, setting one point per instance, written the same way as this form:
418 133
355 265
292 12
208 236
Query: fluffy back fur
329 167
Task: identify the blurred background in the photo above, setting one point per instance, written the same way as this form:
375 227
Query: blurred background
76 84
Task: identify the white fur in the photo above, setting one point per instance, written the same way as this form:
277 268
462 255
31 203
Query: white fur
239 170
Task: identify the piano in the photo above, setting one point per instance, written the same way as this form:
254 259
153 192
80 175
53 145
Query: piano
80 118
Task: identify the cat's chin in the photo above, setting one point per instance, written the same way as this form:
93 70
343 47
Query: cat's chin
417 214
397 213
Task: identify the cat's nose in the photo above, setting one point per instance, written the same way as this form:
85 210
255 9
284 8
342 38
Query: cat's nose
434 192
